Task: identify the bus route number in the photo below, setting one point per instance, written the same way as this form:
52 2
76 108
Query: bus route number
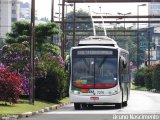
100 92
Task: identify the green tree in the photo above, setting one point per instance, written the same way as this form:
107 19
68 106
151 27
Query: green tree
21 32
132 51
148 77
80 26
16 53
140 77
43 33
2 42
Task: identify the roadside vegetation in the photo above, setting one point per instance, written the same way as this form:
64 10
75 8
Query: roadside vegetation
51 79
136 87
51 82
22 106
148 78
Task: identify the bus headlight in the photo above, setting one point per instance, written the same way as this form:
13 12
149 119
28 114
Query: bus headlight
75 92
115 92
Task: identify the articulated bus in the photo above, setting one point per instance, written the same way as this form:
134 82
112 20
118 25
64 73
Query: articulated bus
99 73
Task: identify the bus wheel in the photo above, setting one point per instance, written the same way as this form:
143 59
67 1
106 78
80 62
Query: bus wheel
89 106
125 103
118 105
77 106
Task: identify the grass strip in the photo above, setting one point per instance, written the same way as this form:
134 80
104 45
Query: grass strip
23 106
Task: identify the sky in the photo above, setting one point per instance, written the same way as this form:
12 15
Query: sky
43 8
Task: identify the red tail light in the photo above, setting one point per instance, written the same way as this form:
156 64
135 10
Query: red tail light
105 85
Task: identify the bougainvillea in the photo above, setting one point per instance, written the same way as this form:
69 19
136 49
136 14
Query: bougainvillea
16 56
10 85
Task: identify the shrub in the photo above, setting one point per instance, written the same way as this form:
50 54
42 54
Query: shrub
10 85
148 81
140 77
54 86
148 77
156 77
16 56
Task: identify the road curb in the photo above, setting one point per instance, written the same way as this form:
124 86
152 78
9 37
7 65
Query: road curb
153 91
29 114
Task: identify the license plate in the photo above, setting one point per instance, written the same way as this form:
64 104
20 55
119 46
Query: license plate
97 92
100 92
94 98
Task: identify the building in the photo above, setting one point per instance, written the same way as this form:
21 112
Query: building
25 11
9 13
154 9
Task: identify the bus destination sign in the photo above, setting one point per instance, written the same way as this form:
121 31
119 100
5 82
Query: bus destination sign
94 52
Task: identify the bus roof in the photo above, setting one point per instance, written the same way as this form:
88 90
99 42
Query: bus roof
97 40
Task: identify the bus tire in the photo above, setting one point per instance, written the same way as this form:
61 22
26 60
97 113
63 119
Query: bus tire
125 103
77 106
89 106
84 106
118 105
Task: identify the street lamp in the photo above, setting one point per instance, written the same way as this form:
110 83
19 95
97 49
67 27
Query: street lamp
124 18
138 34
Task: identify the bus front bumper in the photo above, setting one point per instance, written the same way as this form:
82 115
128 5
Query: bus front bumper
117 98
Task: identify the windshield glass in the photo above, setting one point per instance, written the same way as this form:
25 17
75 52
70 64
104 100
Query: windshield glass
94 71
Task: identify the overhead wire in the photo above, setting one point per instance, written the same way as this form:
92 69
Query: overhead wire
105 33
103 24
90 12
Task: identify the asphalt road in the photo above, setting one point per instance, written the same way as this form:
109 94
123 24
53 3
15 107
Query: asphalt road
141 106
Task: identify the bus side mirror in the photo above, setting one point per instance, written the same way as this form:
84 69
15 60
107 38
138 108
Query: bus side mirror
66 67
124 62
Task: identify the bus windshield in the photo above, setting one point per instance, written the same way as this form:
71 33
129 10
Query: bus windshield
91 71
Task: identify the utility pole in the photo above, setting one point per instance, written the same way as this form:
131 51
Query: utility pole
32 42
63 36
74 23
52 17
52 10
138 51
149 39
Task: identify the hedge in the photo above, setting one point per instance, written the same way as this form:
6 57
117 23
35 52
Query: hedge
55 86
156 77
148 77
